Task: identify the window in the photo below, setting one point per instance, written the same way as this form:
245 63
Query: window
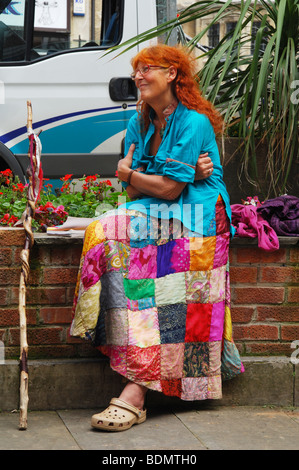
213 35
230 26
59 25
88 23
12 31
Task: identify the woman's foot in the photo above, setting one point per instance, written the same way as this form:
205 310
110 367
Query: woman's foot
124 411
134 394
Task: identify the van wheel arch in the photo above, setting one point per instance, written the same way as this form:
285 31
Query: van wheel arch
8 160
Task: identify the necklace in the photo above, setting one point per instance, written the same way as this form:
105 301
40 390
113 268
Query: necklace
162 130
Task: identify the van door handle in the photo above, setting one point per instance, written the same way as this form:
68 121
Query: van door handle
122 89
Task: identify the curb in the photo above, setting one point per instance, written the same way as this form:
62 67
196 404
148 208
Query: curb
90 383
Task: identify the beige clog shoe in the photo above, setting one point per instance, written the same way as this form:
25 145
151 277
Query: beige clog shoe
119 416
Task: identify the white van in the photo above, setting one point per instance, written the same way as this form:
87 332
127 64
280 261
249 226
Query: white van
53 53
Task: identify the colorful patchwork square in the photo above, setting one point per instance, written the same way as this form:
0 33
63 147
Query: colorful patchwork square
202 252
139 288
197 286
221 251
170 289
217 284
112 292
124 257
143 328
172 387
116 324
172 320
139 230
87 310
94 234
143 364
214 387
194 388
196 360
172 359
118 359
100 330
141 304
153 385
164 253
180 259
198 322
217 321
228 326
170 229
227 286
115 224
112 255
153 230
143 263
215 358
231 364
94 266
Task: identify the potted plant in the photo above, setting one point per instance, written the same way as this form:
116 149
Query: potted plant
92 198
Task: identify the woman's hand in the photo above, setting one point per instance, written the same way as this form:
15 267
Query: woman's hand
204 167
125 164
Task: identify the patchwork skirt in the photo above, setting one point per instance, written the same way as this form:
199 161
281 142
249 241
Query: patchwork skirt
159 306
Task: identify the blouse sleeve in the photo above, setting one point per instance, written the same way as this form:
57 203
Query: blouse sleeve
181 161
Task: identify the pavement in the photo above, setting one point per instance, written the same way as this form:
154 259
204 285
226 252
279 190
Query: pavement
173 433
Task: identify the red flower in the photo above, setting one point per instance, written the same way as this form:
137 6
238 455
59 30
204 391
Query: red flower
7 172
8 219
90 178
67 177
21 187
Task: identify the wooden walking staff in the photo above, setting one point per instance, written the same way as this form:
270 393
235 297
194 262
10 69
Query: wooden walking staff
35 177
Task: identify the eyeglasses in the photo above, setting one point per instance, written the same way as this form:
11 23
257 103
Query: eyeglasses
145 69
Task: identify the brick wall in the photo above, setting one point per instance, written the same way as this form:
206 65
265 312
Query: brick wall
264 294
265 297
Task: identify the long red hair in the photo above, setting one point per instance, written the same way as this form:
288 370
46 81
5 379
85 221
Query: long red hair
186 89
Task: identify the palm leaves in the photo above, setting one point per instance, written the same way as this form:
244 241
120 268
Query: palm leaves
256 93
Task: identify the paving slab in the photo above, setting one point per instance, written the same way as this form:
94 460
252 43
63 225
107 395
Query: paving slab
45 431
161 430
186 428
244 428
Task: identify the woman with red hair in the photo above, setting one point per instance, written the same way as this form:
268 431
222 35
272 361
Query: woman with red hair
153 288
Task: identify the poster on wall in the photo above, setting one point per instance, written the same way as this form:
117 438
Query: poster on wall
51 15
79 7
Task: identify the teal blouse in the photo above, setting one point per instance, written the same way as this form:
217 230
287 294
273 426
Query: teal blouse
187 135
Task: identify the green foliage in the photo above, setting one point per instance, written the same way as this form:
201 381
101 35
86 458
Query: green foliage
53 208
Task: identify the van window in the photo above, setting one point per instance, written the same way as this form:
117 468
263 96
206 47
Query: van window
12 31
58 26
